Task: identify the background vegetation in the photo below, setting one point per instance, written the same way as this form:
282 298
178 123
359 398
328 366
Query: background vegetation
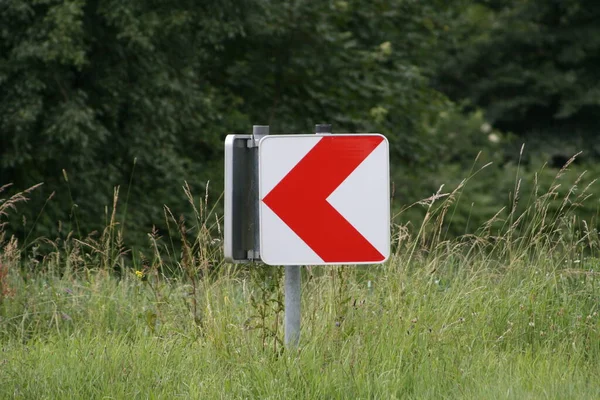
99 93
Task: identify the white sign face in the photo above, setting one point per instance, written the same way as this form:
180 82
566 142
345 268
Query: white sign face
324 199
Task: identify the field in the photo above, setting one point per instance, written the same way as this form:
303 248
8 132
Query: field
510 312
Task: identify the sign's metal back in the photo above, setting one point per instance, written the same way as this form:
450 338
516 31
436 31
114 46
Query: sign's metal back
240 194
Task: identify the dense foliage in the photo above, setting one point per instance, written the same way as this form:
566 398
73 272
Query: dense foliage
532 65
140 94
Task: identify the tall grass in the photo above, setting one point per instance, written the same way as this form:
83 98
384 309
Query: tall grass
508 312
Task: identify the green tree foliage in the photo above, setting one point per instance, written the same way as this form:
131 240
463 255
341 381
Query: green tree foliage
532 65
356 64
89 86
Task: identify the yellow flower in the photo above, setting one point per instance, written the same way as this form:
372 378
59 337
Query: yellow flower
139 274
386 48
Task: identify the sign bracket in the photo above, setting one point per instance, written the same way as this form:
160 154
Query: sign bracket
242 203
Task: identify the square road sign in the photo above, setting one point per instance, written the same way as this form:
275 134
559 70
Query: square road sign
324 199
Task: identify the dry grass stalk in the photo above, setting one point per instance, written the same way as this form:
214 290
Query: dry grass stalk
11 203
9 256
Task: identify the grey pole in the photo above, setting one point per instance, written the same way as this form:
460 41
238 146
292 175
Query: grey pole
293 297
293 283
258 132
292 277
323 129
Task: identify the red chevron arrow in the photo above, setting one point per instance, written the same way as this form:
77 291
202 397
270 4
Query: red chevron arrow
300 199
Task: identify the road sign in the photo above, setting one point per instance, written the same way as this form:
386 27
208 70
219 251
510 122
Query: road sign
324 199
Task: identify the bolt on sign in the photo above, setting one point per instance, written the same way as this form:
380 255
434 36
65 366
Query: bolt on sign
324 199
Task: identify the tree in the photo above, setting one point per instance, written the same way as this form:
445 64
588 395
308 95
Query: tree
89 86
532 65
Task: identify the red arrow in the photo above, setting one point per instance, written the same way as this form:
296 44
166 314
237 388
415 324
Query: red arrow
300 199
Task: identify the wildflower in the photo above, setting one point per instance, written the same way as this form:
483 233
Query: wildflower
386 48
139 274
341 5
494 138
486 127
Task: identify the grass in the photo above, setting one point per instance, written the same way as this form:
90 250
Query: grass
526 333
511 312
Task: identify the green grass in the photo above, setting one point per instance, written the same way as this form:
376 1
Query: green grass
511 312
527 332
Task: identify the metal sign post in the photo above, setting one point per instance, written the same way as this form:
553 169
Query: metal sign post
293 296
293 287
297 200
